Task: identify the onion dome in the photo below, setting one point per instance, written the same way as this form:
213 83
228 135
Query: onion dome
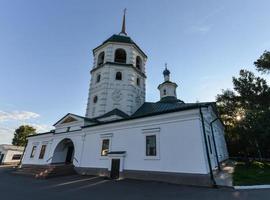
166 72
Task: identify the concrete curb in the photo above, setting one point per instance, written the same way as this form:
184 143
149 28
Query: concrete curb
249 187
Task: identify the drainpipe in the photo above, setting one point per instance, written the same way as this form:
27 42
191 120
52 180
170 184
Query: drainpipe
215 147
23 153
207 150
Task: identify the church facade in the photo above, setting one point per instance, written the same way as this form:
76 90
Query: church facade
123 136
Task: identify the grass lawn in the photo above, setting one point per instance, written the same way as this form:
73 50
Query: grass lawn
256 174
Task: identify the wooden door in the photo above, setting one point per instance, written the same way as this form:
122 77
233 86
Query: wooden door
1 158
69 154
115 168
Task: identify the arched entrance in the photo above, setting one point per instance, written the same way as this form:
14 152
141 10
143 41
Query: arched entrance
64 152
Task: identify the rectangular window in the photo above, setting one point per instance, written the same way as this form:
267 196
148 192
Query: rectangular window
151 145
16 157
210 147
33 151
105 147
42 152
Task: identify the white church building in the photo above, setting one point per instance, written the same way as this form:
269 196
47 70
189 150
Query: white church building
123 136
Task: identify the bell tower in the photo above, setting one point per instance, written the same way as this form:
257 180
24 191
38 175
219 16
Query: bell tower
117 77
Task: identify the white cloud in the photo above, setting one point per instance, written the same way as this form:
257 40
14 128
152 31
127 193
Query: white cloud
17 115
10 120
40 128
203 25
6 135
201 28
210 15
211 86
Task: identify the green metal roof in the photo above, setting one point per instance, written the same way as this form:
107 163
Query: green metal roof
121 39
148 109
161 107
170 99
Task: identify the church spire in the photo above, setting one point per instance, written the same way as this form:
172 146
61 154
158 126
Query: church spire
123 31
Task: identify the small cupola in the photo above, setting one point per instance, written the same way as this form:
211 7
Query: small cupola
167 89
166 74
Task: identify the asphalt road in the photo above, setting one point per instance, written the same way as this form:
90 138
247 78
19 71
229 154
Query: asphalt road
16 187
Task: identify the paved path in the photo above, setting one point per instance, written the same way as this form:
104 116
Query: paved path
224 177
13 187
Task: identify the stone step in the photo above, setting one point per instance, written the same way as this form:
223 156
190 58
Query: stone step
33 171
46 171
38 167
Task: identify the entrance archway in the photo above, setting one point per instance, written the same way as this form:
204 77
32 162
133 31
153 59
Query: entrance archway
64 152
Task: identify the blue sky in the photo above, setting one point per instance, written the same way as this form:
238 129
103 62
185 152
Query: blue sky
46 50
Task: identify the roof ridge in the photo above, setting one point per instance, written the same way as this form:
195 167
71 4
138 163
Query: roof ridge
113 112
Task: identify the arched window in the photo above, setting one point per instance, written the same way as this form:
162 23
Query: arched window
164 92
138 62
120 56
101 58
95 99
138 81
98 78
118 76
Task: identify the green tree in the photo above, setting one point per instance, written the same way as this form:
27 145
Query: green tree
21 134
245 112
263 63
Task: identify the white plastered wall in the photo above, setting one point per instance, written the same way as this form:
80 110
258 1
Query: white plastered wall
180 139
180 144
